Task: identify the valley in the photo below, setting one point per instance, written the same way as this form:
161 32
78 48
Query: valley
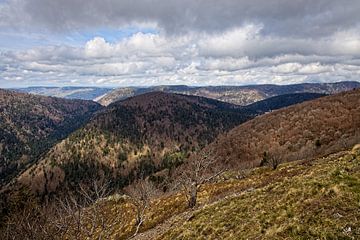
141 157
179 120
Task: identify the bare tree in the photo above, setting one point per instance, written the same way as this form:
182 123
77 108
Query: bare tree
272 160
82 215
200 170
30 223
141 192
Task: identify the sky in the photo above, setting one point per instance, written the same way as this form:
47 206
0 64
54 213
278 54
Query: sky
114 43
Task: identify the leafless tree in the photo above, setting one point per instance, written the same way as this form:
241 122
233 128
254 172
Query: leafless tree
272 160
81 214
196 172
141 192
29 223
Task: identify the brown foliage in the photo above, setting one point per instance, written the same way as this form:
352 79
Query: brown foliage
302 131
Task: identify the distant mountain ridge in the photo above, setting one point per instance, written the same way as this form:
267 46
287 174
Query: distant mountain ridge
240 95
84 93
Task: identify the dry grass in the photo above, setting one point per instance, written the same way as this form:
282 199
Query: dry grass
300 200
321 201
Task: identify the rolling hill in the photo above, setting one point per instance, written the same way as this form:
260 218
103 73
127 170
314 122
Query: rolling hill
301 131
240 95
139 136
30 125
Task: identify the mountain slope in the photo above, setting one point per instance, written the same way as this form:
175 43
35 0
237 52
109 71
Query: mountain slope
137 136
140 135
240 95
277 102
85 93
29 125
317 199
305 130
297 201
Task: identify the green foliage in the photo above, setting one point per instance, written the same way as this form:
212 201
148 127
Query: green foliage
173 160
317 143
122 156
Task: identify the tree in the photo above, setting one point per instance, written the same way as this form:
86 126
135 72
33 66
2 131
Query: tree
29 223
272 160
141 192
81 215
196 172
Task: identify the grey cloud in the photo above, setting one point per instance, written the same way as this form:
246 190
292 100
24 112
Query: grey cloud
199 42
279 17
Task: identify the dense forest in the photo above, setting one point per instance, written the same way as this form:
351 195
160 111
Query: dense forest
30 125
141 136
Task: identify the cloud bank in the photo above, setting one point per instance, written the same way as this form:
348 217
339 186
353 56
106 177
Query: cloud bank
198 42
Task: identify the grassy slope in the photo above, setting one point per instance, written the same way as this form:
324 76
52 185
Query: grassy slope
317 199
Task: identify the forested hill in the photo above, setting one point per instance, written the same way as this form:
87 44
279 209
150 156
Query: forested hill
30 125
140 135
305 130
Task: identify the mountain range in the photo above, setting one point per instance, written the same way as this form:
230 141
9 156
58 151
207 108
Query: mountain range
84 93
303 131
55 151
239 95
141 135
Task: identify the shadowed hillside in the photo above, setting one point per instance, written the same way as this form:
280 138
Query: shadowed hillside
30 125
138 136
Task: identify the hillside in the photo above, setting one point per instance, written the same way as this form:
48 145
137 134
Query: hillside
302 200
240 95
317 199
30 125
281 101
301 131
138 136
84 93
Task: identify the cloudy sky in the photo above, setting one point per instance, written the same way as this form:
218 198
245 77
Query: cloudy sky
193 42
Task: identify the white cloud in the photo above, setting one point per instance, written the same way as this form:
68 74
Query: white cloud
238 56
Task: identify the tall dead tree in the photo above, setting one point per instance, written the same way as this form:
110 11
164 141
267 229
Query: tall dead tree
197 171
141 192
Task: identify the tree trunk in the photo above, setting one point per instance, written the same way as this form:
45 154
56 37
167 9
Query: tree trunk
192 197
